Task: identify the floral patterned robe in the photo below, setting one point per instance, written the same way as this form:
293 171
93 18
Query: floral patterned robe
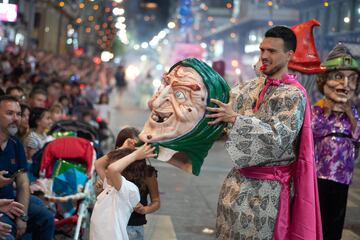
247 208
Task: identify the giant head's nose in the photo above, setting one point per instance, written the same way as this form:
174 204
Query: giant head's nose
160 98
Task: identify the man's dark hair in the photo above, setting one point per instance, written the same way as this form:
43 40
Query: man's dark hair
8 98
286 34
12 88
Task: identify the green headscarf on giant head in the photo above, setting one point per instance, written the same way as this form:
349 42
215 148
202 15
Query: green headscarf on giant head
196 143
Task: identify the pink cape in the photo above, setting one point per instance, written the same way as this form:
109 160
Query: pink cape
306 218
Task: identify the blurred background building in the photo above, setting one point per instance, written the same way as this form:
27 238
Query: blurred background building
148 36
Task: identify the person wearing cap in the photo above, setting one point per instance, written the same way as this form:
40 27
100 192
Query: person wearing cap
335 124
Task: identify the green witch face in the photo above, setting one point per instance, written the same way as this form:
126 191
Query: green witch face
177 122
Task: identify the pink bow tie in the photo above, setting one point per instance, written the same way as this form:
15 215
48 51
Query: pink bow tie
286 78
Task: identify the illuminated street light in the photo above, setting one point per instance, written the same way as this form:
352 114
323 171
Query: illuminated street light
346 19
204 7
150 5
118 11
121 19
143 58
234 63
106 56
132 72
171 25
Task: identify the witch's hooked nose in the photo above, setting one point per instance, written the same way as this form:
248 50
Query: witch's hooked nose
161 98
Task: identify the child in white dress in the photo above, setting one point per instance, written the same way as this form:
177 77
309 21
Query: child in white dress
115 204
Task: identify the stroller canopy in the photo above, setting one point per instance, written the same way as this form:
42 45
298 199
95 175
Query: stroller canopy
75 148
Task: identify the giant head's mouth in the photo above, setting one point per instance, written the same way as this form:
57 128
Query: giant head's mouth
342 91
160 117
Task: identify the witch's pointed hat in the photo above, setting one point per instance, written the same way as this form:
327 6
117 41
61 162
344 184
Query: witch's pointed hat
306 58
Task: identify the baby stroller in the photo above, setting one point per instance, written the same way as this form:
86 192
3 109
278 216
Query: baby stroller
67 175
79 129
74 128
101 136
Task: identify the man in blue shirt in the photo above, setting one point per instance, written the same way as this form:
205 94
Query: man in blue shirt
36 219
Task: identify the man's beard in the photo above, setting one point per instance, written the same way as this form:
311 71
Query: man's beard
273 71
12 130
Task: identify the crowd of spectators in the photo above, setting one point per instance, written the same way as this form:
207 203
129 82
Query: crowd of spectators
37 90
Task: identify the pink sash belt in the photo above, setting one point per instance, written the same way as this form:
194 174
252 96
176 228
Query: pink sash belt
283 175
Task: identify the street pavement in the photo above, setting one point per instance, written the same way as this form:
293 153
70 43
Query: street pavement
188 203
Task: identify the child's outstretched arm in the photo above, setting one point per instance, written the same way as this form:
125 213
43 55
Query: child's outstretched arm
115 169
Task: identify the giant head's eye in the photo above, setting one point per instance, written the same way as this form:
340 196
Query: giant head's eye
180 95
339 76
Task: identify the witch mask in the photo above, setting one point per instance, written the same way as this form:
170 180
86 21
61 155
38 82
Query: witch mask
177 122
340 82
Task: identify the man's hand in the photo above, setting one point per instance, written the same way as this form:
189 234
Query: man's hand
4 180
140 209
20 227
224 113
5 229
11 208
